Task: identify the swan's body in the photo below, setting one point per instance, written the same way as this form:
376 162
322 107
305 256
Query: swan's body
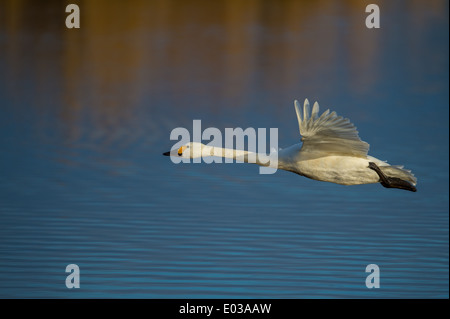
331 151
339 169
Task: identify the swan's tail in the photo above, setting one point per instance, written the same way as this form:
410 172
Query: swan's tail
399 172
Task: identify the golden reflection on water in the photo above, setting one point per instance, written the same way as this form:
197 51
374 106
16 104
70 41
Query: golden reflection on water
127 54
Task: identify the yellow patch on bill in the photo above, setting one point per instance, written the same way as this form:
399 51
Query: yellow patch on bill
180 150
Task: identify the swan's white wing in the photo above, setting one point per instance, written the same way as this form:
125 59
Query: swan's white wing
328 133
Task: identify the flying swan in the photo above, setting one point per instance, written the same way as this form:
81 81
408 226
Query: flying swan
331 151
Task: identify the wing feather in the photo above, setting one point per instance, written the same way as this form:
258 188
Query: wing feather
328 133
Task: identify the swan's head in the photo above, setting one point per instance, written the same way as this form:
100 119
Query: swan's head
189 150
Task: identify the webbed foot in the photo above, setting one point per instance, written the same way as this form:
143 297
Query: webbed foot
391 182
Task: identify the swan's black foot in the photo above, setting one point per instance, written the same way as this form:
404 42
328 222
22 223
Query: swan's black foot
392 182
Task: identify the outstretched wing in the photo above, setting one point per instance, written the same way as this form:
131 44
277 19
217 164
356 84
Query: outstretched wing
328 133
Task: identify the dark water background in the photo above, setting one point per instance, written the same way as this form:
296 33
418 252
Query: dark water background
85 115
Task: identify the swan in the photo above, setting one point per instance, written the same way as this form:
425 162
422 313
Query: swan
331 151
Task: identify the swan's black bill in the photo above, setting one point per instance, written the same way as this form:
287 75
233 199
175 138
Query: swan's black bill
166 154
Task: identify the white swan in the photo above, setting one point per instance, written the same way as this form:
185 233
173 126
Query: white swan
331 151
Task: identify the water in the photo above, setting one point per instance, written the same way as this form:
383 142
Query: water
86 115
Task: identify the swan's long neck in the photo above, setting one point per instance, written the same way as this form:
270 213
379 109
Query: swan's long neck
244 156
